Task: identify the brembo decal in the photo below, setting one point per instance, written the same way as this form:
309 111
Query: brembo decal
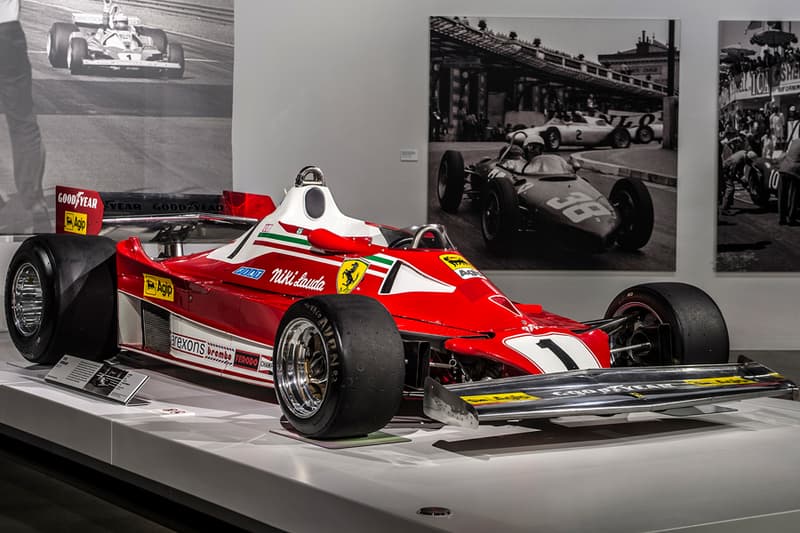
460 266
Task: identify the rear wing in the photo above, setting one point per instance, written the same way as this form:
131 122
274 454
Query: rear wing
159 217
95 20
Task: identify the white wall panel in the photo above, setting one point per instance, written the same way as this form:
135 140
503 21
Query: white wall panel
345 85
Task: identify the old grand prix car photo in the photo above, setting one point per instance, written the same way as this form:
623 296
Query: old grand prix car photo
112 41
579 130
344 318
544 194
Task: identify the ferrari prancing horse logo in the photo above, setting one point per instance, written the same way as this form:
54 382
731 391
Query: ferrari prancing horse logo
350 275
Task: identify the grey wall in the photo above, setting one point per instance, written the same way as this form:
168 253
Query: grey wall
344 85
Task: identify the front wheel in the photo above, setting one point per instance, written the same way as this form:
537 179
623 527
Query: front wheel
500 217
681 323
175 55
644 135
61 298
339 366
634 207
78 52
450 181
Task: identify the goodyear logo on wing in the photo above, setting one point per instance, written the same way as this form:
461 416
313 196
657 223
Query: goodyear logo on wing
249 272
724 380
350 275
161 288
75 222
506 397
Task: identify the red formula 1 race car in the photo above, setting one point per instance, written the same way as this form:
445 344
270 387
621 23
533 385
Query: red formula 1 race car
344 318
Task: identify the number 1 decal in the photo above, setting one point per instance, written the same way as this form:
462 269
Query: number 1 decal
554 352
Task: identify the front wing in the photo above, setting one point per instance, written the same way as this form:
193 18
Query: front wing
605 391
129 63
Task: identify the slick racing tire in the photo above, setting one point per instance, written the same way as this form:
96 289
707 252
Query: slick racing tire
634 206
552 139
757 186
158 36
644 135
500 216
175 55
450 181
696 328
61 298
78 51
338 366
58 43
620 138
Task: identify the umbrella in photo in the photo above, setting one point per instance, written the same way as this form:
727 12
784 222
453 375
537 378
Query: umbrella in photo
737 51
773 38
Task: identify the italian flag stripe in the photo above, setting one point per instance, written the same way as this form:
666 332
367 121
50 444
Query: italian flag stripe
285 238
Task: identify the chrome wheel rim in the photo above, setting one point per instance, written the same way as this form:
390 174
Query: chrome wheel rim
302 367
27 300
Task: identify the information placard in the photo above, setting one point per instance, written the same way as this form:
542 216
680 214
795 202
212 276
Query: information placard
99 379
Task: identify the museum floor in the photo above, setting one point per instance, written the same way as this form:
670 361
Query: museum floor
44 492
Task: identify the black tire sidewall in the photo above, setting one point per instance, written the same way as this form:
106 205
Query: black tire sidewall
78 49
508 217
59 34
640 135
642 216
699 333
366 366
455 181
620 138
37 347
175 55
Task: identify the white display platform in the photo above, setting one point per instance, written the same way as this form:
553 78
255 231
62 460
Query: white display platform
735 471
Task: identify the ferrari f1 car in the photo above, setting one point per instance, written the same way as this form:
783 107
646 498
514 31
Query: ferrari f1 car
579 130
344 318
112 40
545 194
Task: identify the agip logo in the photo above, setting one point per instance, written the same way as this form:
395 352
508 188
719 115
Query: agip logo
350 275
160 288
75 222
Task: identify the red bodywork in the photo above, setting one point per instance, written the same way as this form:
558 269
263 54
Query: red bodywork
223 307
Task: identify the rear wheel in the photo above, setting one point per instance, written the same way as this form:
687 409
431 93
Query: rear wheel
552 139
500 218
78 51
634 206
61 298
159 38
58 43
680 321
339 366
450 181
757 186
620 138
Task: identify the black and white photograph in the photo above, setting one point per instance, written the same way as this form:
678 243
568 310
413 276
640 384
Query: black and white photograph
553 142
129 96
758 225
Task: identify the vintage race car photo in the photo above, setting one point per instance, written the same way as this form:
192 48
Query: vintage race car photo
113 41
522 190
579 130
345 318
761 179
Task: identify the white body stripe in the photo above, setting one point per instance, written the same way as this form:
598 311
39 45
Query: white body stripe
530 347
